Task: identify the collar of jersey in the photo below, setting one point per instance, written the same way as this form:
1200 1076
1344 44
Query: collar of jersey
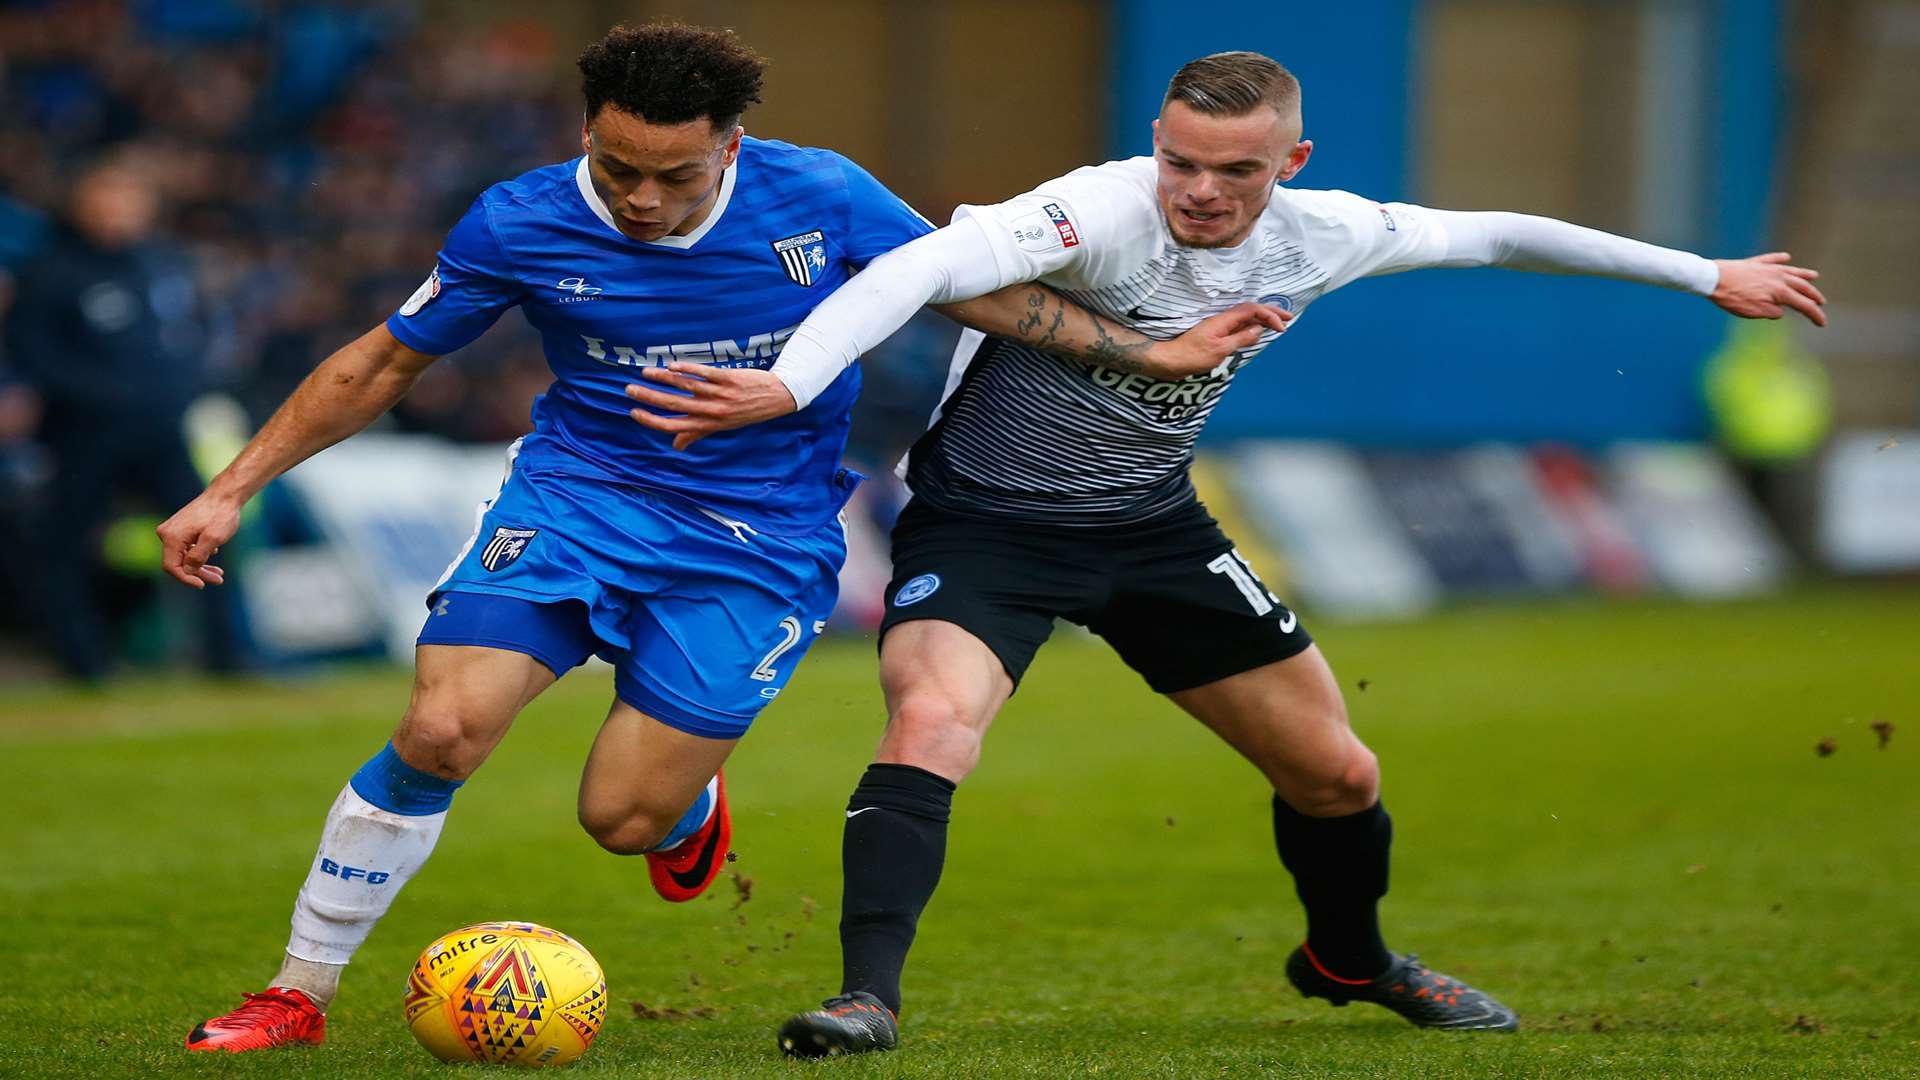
1217 270
592 197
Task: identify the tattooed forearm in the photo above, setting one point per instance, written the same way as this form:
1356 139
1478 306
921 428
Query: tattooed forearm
1044 306
1040 318
1053 328
1036 305
1108 353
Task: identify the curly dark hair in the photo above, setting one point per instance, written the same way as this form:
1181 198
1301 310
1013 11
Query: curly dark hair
669 73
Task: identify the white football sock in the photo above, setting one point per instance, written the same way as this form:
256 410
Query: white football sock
366 854
318 981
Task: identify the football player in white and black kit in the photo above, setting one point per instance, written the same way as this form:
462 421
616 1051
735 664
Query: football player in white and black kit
1048 487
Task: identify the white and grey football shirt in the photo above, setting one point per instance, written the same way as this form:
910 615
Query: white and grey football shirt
1026 434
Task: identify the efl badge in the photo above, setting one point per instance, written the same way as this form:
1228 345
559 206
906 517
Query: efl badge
803 257
506 546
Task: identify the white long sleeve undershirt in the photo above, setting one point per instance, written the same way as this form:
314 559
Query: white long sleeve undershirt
943 267
1550 246
958 263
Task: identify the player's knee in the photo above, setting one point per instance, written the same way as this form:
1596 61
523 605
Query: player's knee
437 740
625 830
1361 780
1341 785
929 731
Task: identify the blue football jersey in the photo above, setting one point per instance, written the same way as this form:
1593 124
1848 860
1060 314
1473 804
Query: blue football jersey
789 225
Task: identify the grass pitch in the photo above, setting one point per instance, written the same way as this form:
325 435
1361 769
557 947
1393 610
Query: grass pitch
1611 815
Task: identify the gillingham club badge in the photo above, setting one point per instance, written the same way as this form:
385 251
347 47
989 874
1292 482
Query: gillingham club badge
803 257
506 546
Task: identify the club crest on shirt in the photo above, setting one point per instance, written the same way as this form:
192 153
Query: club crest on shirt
506 546
917 590
803 257
423 295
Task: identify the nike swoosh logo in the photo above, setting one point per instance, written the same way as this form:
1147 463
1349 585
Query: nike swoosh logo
862 810
1137 316
1287 624
691 878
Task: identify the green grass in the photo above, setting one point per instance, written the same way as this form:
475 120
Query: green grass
1609 814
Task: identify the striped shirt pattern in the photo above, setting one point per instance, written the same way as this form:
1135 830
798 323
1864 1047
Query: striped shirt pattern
1040 437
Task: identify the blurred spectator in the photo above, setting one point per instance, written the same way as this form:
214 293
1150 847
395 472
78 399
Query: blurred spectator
22 472
308 156
104 327
312 154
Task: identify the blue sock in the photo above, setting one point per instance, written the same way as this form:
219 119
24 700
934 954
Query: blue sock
690 821
399 788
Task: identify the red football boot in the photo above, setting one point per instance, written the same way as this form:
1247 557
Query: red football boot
276 1017
684 871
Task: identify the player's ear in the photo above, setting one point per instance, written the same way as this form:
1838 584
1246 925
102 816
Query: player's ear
586 136
733 145
1296 161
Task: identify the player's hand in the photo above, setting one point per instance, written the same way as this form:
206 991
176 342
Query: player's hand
1765 287
1210 342
194 535
710 399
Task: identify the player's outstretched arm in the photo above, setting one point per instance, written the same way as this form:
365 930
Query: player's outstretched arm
1760 287
348 391
951 266
711 399
944 266
1035 315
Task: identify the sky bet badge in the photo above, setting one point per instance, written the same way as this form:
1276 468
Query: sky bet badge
803 256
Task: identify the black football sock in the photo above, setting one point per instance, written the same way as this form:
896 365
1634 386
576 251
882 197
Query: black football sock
1339 868
891 854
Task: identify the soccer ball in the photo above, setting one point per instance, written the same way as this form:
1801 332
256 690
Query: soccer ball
506 993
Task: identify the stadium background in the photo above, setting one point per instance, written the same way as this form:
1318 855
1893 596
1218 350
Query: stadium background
310 156
1600 490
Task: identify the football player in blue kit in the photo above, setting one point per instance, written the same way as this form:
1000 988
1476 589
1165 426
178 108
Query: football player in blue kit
702 575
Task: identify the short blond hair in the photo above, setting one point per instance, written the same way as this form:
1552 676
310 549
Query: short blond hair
1234 84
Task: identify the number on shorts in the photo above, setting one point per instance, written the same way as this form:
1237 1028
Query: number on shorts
1235 566
765 672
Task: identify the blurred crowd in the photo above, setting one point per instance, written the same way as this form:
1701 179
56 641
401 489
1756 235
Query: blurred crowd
210 196
308 157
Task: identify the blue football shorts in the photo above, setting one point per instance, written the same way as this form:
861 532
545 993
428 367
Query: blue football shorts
703 619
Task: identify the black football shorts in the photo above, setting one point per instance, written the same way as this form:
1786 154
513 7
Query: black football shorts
1170 594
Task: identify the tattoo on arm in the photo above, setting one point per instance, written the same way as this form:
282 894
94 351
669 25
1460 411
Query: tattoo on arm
1108 353
1046 307
1036 303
